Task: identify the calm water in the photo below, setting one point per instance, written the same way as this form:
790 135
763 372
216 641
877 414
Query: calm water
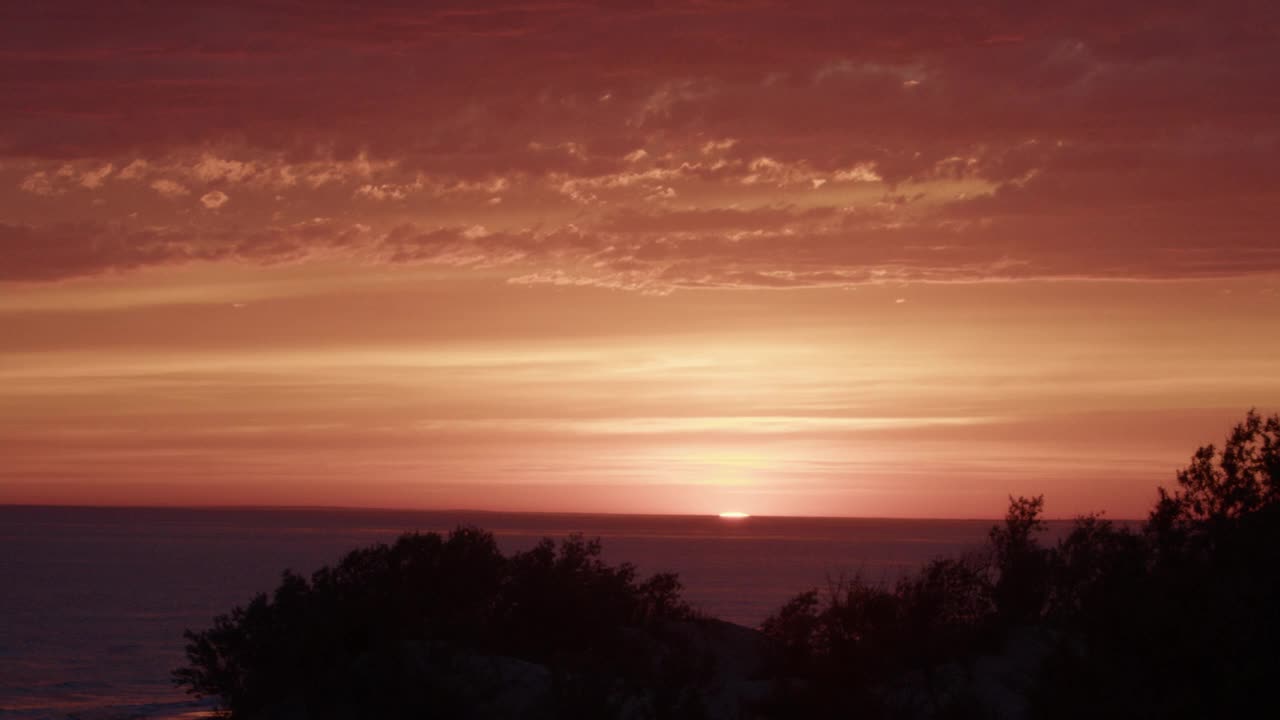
93 601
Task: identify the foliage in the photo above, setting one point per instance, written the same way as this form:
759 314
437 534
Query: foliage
1180 620
1176 618
1020 564
391 629
837 655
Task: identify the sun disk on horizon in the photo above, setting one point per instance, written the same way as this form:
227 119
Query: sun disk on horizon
734 515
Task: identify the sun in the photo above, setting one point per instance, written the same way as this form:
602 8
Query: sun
734 515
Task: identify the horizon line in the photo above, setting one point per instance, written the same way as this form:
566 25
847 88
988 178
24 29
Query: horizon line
379 508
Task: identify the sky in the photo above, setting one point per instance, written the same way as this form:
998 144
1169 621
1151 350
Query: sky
784 258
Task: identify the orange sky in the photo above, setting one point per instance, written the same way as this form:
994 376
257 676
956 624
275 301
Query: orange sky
783 258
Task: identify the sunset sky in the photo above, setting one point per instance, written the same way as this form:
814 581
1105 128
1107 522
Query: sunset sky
815 258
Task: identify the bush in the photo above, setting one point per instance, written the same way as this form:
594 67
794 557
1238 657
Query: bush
1174 619
1180 620
393 630
850 652
1177 618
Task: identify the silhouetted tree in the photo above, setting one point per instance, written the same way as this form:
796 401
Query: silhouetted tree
1021 565
1175 619
847 653
395 631
1181 620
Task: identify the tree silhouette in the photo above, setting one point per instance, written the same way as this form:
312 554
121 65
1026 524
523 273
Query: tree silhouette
1176 618
1179 621
1021 565
417 627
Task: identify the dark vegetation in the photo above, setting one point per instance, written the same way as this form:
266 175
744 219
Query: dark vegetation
436 626
1176 617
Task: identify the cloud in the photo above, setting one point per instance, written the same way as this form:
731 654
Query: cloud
862 172
214 200
170 188
213 169
662 251
68 250
39 183
769 144
93 179
135 170
386 191
823 69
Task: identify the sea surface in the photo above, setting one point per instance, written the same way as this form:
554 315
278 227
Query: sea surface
94 601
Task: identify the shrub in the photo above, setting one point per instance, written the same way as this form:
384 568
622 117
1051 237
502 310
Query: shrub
384 632
1175 619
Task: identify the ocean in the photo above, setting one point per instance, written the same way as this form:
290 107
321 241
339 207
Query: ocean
94 601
